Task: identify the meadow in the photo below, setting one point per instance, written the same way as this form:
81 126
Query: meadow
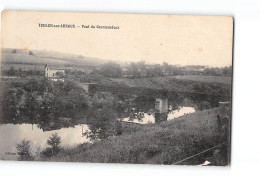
204 78
25 60
164 143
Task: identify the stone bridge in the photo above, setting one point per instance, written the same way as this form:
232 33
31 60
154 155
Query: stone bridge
92 88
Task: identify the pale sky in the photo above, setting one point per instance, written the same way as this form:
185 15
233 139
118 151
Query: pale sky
176 39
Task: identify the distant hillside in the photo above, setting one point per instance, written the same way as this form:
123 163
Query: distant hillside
46 57
178 83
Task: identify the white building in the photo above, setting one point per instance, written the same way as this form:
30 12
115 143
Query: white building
54 73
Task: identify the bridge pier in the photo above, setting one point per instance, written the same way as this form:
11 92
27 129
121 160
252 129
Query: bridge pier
161 105
161 109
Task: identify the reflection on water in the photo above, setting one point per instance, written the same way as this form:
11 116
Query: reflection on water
11 134
152 118
205 163
142 112
180 112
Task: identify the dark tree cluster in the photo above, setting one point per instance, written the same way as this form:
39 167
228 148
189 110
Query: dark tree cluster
24 150
54 146
41 100
21 73
103 124
140 69
111 70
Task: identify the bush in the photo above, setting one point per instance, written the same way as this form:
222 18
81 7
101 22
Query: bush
103 123
24 151
204 105
31 53
111 70
54 146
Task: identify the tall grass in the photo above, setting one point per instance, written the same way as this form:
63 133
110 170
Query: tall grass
164 143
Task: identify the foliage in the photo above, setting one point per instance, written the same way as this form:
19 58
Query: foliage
60 74
111 69
24 151
54 148
14 51
54 141
135 70
38 153
164 143
28 100
103 123
12 71
140 69
31 53
203 105
104 118
155 71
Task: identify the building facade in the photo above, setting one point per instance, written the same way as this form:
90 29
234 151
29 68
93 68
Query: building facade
54 73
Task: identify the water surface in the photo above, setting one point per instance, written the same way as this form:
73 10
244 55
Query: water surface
11 134
150 118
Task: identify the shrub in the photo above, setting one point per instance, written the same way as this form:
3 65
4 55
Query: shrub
54 146
103 123
24 151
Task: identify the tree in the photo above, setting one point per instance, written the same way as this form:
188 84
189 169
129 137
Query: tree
38 153
11 71
227 71
54 142
24 151
103 123
111 69
204 105
31 53
14 51
53 146
158 70
210 71
134 70
167 69
60 74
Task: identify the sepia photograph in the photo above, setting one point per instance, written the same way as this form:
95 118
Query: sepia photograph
116 88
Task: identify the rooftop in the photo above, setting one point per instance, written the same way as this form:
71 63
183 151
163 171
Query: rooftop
53 68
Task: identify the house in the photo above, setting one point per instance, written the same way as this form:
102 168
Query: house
54 73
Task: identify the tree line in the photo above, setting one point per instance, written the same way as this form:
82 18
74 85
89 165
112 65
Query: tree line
24 150
141 69
41 100
132 70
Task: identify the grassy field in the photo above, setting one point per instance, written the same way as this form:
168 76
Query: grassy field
22 56
204 78
150 82
178 83
164 143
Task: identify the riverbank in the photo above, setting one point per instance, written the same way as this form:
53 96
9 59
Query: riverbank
164 143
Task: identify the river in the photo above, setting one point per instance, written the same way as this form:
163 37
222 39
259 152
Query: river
11 134
71 134
151 118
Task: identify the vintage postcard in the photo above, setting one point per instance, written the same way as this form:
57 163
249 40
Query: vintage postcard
116 88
